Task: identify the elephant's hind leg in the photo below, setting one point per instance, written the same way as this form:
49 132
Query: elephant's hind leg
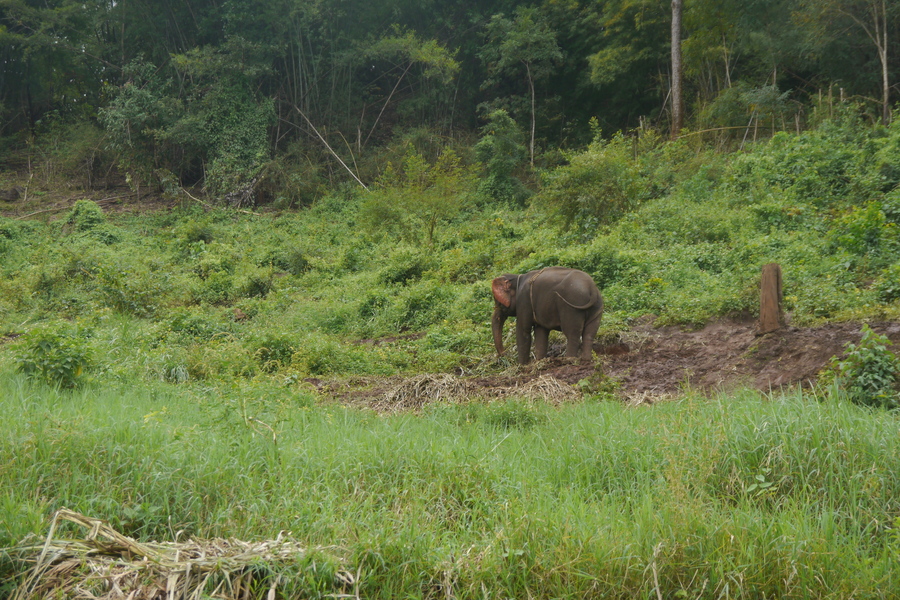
587 338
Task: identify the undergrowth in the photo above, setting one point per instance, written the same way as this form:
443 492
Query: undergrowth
672 230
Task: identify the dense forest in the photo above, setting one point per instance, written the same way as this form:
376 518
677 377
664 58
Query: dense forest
271 99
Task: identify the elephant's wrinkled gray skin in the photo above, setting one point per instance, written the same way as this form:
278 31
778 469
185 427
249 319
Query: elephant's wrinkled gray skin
554 298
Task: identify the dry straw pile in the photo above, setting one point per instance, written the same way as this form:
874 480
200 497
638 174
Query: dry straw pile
107 565
416 392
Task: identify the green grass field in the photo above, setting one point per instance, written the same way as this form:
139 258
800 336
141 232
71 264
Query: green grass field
747 496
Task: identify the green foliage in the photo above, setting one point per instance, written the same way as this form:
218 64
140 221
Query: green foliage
273 351
868 373
887 286
765 106
405 264
322 355
511 414
196 230
501 151
85 216
159 129
413 200
56 354
597 186
292 260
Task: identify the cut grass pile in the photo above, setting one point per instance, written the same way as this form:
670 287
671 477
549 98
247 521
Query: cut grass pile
106 565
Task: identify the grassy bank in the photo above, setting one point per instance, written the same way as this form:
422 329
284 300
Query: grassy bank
744 496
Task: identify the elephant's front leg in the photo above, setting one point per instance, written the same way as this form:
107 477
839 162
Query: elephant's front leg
523 342
541 341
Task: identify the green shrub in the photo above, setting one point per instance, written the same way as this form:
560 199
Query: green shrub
222 357
193 231
887 286
501 150
320 355
293 260
511 414
190 323
54 354
861 230
257 285
85 215
217 288
273 351
130 292
869 373
404 265
421 305
598 186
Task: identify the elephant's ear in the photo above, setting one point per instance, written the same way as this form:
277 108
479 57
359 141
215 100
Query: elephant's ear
503 291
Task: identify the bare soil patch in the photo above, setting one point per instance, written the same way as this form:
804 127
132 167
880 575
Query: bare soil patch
649 363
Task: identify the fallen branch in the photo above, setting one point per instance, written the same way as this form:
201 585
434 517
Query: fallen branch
330 149
59 208
211 207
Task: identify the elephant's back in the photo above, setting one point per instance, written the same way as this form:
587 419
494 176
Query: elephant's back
576 287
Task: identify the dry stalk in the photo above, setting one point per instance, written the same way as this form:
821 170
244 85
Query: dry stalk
107 565
414 393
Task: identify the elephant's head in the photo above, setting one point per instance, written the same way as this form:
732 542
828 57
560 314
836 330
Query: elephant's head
504 290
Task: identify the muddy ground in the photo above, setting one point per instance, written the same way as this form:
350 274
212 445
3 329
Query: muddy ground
648 364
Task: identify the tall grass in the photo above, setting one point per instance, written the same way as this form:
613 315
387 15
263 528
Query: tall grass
743 496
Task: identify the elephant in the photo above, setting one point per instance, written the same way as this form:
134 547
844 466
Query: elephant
553 298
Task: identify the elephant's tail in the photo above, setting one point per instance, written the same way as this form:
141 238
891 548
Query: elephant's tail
576 306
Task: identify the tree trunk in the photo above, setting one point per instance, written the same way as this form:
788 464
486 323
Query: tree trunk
531 88
677 98
883 55
770 315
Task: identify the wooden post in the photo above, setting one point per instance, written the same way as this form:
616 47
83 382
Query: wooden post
770 315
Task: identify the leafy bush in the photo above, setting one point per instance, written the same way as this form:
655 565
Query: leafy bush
292 259
191 323
273 351
869 373
501 150
411 200
130 292
194 230
887 286
217 288
320 355
54 354
85 215
405 264
598 185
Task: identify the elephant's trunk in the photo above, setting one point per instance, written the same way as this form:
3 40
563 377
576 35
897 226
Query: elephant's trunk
497 322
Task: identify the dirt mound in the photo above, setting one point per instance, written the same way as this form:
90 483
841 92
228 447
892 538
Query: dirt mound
729 354
649 363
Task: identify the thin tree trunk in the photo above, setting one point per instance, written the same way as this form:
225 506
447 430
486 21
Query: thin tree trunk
531 88
677 99
885 82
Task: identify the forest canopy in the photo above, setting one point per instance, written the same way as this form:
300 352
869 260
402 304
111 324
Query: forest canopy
220 92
